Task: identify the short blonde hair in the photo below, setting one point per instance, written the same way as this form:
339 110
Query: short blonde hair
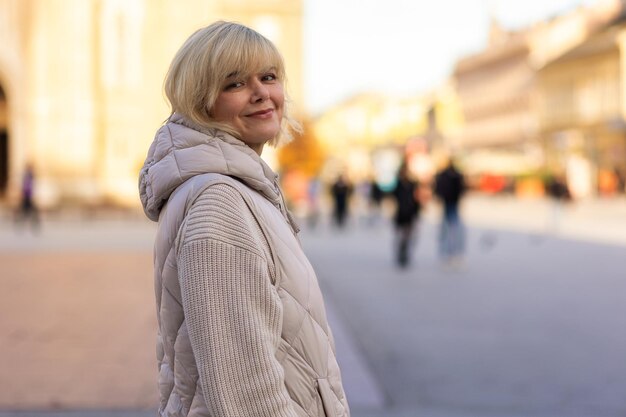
202 64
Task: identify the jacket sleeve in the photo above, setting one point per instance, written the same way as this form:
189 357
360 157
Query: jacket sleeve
232 309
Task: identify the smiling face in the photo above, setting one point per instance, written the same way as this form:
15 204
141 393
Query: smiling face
252 105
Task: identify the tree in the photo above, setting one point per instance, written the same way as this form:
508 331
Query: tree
304 154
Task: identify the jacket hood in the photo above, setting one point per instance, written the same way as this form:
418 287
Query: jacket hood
181 150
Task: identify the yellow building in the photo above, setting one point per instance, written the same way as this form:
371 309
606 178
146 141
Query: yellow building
369 120
495 87
504 89
372 127
353 131
81 86
581 105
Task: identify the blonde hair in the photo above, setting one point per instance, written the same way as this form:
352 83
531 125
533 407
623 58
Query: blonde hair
199 68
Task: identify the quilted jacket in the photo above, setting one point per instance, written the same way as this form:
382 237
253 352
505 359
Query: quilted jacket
190 174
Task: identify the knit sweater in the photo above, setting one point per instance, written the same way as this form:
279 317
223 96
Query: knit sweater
232 309
242 327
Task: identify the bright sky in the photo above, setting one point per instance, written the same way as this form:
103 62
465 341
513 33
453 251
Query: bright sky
401 47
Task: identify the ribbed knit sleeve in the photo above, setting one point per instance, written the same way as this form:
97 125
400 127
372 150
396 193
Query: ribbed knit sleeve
232 309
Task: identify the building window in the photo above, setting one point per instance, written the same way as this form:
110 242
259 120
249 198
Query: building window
120 35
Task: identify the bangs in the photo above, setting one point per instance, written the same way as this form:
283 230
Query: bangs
248 54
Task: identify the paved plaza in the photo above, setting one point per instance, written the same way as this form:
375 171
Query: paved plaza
533 323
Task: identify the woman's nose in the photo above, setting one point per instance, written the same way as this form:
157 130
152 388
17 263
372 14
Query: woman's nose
259 92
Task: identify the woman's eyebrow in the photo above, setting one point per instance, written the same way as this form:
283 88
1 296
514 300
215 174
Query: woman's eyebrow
232 74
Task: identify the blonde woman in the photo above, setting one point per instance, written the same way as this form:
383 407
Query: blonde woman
242 325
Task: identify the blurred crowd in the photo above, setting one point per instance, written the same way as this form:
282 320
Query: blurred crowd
398 201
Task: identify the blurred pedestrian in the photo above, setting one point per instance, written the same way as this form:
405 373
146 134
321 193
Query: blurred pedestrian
621 180
449 188
406 214
559 194
341 190
314 188
27 211
376 195
242 328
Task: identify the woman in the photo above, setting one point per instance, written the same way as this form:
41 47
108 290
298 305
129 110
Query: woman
242 326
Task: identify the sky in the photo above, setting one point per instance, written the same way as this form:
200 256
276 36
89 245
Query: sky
401 47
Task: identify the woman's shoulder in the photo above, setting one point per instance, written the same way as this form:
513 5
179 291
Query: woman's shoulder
220 213
222 194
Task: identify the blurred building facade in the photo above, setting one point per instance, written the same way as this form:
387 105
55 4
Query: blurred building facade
81 85
548 98
495 90
581 108
370 134
356 130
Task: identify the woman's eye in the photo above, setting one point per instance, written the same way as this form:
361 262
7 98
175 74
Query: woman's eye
233 85
269 77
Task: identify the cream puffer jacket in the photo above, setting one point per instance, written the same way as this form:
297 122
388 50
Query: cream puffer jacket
242 325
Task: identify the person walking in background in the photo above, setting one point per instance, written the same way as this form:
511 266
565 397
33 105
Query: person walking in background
242 329
341 190
406 215
559 194
314 188
621 180
27 211
375 199
449 188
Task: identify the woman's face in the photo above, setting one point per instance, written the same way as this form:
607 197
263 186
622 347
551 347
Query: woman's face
252 105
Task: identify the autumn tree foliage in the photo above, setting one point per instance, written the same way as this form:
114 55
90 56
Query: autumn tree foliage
304 154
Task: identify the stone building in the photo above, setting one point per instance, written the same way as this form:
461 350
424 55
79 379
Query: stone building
495 89
581 108
81 86
512 92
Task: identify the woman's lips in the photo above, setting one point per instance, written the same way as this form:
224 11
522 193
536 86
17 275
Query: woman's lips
262 114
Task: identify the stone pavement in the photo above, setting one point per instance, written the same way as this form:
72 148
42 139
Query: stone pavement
528 327
424 342
77 312
593 220
533 324
77 329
